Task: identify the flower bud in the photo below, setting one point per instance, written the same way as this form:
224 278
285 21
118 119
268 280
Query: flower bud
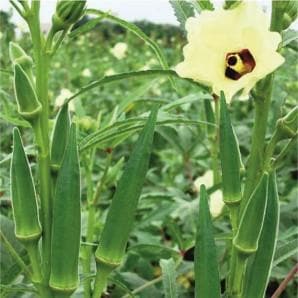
28 104
67 13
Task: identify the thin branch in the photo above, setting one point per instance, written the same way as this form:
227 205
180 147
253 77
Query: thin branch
285 282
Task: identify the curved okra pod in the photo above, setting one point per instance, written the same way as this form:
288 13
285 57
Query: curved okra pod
66 229
60 137
24 202
119 222
251 223
28 105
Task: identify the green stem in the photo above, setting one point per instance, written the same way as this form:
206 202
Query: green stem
101 279
42 136
255 164
33 252
270 150
15 255
214 142
237 274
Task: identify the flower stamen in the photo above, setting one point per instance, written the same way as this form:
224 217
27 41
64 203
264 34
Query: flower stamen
239 64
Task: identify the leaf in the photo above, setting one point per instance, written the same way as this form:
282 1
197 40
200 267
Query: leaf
285 251
169 278
156 251
202 5
260 264
138 32
230 4
9 268
207 282
133 74
183 10
287 37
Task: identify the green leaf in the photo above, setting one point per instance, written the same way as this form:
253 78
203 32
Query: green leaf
207 282
287 37
9 268
169 278
260 264
133 74
285 251
138 32
156 251
183 10
230 4
201 5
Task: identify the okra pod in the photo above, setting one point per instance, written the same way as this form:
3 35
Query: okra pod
229 156
60 137
120 217
66 229
28 105
24 202
251 223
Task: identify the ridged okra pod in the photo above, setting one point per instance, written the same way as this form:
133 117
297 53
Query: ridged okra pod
60 137
24 202
260 264
28 105
230 157
120 217
251 223
66 229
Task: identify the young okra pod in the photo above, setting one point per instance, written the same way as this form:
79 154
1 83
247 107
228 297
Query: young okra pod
120 217
24 202
60 137
251 223
28 105
229 156
66 229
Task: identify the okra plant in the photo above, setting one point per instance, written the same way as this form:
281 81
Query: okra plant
88 223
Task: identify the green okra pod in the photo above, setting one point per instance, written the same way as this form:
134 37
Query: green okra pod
210 117
24 202
60 137
251 222
229 156
261 263
207 281
28 105
66 229
120 217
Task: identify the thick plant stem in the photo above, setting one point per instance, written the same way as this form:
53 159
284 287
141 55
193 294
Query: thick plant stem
42 138
256 160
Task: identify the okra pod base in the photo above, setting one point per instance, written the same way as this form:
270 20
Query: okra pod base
28 238
62 292
32 115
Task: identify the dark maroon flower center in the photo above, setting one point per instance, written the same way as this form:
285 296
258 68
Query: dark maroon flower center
239 64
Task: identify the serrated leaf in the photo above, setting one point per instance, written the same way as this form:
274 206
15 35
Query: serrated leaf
183 10
201 5
169 276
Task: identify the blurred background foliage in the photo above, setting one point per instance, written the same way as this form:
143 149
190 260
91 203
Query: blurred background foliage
165 221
